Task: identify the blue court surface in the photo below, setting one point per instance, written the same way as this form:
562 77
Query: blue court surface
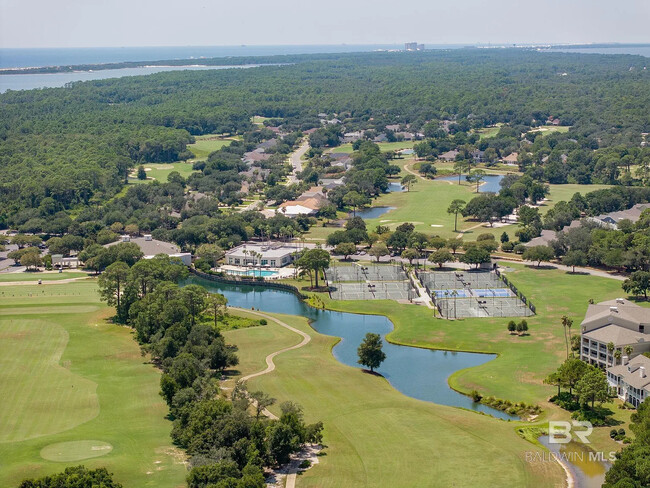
495 292
449 293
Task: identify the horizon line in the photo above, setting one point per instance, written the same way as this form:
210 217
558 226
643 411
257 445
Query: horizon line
505 43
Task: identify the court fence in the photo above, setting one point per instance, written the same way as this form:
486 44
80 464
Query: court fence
461 294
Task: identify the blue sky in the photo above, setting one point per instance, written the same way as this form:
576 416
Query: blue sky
90 23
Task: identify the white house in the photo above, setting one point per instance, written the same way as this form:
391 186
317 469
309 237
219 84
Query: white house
273 255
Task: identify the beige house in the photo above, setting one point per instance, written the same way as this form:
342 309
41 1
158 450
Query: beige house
618 321
631 380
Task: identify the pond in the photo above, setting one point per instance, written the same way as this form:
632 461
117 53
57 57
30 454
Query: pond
587 471
373 212
394 186
416 372
491 183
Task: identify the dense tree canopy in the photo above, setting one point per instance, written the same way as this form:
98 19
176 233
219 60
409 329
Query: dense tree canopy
103 128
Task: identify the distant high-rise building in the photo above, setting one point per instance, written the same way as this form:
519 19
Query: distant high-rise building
413 46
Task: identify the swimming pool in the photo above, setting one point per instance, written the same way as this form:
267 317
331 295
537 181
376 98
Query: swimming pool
253 272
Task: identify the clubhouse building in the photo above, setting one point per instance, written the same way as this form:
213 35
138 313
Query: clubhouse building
273 255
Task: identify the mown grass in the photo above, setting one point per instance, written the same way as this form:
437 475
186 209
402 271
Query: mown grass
160 171
427 202
29 276
560 193
384 146
67 375
549 129
207 144
425 205
488 132
377 437
258 119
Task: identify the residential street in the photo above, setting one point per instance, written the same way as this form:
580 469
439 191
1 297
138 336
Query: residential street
296 161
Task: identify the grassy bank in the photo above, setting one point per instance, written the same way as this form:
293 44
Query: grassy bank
75 389
377 437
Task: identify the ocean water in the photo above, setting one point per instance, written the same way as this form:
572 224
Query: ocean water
638 50
55 80
22 58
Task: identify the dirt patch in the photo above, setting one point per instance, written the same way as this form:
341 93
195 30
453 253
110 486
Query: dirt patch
178 455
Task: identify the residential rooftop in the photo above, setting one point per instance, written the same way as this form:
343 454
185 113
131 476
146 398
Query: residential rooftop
149 246
631 372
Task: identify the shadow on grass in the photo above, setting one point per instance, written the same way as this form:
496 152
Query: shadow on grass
541 266
373 373
637 299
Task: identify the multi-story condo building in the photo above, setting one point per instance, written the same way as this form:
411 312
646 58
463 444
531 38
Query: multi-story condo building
614 336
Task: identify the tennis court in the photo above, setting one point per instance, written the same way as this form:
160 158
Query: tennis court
344 273
451 293
373 290
496 292
475 293
369 282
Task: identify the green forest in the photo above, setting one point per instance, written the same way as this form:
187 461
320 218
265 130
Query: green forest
73 147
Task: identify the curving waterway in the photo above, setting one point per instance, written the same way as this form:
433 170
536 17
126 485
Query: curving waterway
416 372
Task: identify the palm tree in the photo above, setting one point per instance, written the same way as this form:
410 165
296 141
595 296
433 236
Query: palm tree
566 323
456 206
617 356
628 351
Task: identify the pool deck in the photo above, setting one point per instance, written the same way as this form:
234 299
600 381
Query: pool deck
241 270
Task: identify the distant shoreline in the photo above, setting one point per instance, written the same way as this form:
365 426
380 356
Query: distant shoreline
182 64
274 59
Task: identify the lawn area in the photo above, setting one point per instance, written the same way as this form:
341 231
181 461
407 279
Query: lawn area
426 207
488 132
66 275
384 146
523 362
258 119
565 192
75 389
207 144
377 437
549 129
160 171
